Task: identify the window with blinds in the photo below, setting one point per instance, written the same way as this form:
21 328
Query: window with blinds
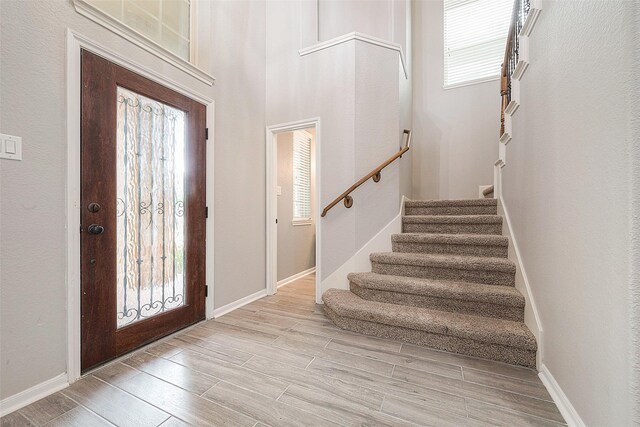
475 33
166 22
301 176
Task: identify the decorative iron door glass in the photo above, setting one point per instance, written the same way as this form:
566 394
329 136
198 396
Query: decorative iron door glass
150 207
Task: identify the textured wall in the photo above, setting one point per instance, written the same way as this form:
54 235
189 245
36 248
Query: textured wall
455 129
296 244
238 61
566 186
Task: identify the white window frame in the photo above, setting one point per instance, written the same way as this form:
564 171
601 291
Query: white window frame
118 27
298 221
469 82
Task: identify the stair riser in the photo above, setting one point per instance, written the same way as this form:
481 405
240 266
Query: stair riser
443 228
428 272
443 304
500 353
443 248
451 210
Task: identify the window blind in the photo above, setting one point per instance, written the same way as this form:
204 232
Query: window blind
475 33
301 175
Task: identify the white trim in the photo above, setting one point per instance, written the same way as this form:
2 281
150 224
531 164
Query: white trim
210 236
505 137
502 156
114 25
360 261
76 42
193 32
360 37
272 202
571 416
33 394
532 18
299 222
295 277
471 82
521 67
511 107
522 280
239 303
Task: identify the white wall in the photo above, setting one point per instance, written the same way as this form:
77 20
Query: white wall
455 129
566 185
238 62
296 243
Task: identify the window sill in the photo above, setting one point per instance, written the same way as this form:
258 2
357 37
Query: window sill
471 82
299 222
87 10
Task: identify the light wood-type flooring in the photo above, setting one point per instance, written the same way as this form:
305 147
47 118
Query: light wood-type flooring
279 362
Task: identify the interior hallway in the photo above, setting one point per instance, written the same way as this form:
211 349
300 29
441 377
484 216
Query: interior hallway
279 362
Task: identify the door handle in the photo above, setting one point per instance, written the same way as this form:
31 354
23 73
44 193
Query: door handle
95 229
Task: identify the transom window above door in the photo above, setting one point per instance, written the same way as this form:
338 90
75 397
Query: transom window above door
166 23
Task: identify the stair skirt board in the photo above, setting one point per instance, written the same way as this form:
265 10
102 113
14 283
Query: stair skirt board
469 347
474 308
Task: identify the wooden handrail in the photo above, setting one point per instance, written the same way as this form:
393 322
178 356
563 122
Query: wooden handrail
375 174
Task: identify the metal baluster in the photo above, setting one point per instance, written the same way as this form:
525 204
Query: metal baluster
152 218
139 184
126 202
164 207
173 186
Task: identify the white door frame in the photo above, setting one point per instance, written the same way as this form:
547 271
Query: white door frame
272 200
76 42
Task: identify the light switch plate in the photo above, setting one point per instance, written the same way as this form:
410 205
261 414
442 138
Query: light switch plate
278 190
10 147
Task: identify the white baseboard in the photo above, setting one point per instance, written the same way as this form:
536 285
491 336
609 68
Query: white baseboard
35 393
296 277
239 303
571 416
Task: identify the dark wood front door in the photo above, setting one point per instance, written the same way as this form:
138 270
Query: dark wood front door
143 210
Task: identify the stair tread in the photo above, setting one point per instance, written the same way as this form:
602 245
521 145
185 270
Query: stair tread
462 262
464 291
452 219
452 239
457 203
484 329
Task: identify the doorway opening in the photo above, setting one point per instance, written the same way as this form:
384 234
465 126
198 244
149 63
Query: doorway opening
293 229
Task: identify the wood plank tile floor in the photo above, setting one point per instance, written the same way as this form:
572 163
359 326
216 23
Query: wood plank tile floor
280 362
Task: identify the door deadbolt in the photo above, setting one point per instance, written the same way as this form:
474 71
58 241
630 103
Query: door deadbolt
93 207
95 229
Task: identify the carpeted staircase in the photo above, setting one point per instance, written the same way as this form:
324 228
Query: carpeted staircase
447 284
